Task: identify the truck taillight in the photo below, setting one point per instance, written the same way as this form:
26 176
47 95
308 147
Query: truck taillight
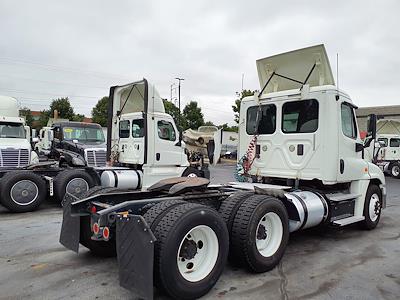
106 233
96 228
93 209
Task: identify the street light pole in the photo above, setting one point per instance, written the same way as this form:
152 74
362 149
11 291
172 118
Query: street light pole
179 99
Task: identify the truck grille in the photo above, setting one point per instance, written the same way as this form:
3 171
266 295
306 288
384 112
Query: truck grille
96 158
11 157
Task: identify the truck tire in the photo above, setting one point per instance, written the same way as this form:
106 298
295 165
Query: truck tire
230 206
191 250
395 169
192 172
372 207
260 233
22 191
75 182
155 213
97 248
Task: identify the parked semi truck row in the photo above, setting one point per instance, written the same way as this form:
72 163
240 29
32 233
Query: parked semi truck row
143 143
299 139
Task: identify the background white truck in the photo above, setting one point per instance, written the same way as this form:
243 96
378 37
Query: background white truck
388 155
299 134
15 145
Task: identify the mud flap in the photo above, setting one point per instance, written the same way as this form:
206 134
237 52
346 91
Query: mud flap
70 229
135 252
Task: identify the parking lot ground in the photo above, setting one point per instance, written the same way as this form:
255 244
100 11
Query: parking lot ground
346 263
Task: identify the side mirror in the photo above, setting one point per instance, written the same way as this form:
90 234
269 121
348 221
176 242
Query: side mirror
371 130
35 140
371 126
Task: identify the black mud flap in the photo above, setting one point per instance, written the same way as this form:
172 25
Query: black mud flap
70 229
135 252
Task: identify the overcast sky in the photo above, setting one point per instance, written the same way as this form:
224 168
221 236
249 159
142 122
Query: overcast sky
81 48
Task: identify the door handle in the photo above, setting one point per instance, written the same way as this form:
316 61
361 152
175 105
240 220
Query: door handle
158 156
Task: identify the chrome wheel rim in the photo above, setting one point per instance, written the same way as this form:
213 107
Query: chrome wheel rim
77 187
374 207
24 192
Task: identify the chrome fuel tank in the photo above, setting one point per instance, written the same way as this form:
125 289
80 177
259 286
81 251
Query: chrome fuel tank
312 209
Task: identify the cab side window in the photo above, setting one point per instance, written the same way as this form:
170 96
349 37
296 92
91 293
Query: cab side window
124 129
166 131
383 141
394 142
138 128
349 127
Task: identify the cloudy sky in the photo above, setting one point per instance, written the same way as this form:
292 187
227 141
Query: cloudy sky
80 48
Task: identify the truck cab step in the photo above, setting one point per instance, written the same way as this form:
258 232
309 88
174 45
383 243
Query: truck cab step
341 196
347 221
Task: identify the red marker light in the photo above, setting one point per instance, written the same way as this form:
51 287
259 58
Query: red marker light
93 209
96 228
106 233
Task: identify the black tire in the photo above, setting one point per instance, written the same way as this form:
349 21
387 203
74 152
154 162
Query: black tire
370 222
83 182
97 248
22 191
192 172
170 232
230 206
395 170
245 231
155 213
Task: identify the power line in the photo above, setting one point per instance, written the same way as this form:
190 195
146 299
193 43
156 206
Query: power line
54 82
48 94
10 61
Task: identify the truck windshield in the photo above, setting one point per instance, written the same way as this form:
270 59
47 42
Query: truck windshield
83 134
12 130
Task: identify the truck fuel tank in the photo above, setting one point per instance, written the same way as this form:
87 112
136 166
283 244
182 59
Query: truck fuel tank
124 179
312 209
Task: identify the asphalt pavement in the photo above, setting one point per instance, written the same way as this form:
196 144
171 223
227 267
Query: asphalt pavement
346 263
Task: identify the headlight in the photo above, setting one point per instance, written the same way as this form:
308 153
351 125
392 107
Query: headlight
78 162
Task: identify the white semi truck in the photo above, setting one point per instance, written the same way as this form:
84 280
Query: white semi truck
142 141
387 157
15 146
298 137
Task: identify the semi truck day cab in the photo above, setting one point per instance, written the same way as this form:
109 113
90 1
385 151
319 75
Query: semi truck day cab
299 140
15 146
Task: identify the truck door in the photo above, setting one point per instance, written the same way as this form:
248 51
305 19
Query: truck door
167 150
351 165
131 141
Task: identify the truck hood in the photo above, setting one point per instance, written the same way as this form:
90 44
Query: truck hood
14 143
297 65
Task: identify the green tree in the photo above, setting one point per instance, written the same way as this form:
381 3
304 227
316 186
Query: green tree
100 112
226 127
173 110
64 108
209 123
236 107
77 118
192 116
44 118
27 114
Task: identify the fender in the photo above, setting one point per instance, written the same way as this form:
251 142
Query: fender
69 155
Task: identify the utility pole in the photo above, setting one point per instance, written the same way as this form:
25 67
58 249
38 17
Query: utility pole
179 99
